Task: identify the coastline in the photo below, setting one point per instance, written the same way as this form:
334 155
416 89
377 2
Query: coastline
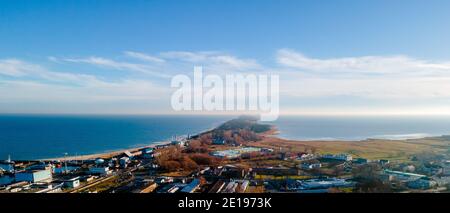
370 147
397 150
109 154
105 154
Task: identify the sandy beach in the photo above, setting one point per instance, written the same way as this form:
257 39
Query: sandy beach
105 154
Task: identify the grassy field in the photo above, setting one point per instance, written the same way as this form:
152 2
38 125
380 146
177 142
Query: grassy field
398 150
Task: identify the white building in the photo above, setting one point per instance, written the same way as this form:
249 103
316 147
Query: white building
123 161
309 166
100 170
72 183
33 176
403 175
343 157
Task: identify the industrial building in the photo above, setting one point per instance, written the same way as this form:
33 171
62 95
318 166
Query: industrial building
323 183
403 175
33 176
72 183
342 157
100 170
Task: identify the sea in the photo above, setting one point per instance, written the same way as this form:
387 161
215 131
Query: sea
356 128
28 137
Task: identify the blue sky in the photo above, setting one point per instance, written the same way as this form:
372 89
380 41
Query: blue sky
332 56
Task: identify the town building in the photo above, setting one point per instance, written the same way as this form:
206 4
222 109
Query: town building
51 188
383 162
192 186
421 183
230 187
217 187
7 166
309 166
361 161
342 157
323 183
218 141
163 179
33 176
150 188
72 183
100 170
6 179
123 162
147 153
305 156
403 175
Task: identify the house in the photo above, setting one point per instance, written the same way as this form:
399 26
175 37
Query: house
305 156
33 176
230 187
192 186
383 162
63 169
218 141
309 166
341 157
147 153
161 180
7 166
161 146
88 178
403 175
51 188
100 170
123 162
177 143
6 179
217 187
288 156
361 161
72 183
446 168
243 186
323 183
230 171
235 186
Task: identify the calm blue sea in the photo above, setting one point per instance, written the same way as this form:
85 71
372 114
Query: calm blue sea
37 136
361 127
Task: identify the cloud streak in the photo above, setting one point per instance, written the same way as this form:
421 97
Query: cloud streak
144 57
387 65
374 81
212 58
112 64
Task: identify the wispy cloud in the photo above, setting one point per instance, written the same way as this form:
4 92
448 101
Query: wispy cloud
212 58
144 57
126 66
371 77
398 81
398 64
19 68
32 82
